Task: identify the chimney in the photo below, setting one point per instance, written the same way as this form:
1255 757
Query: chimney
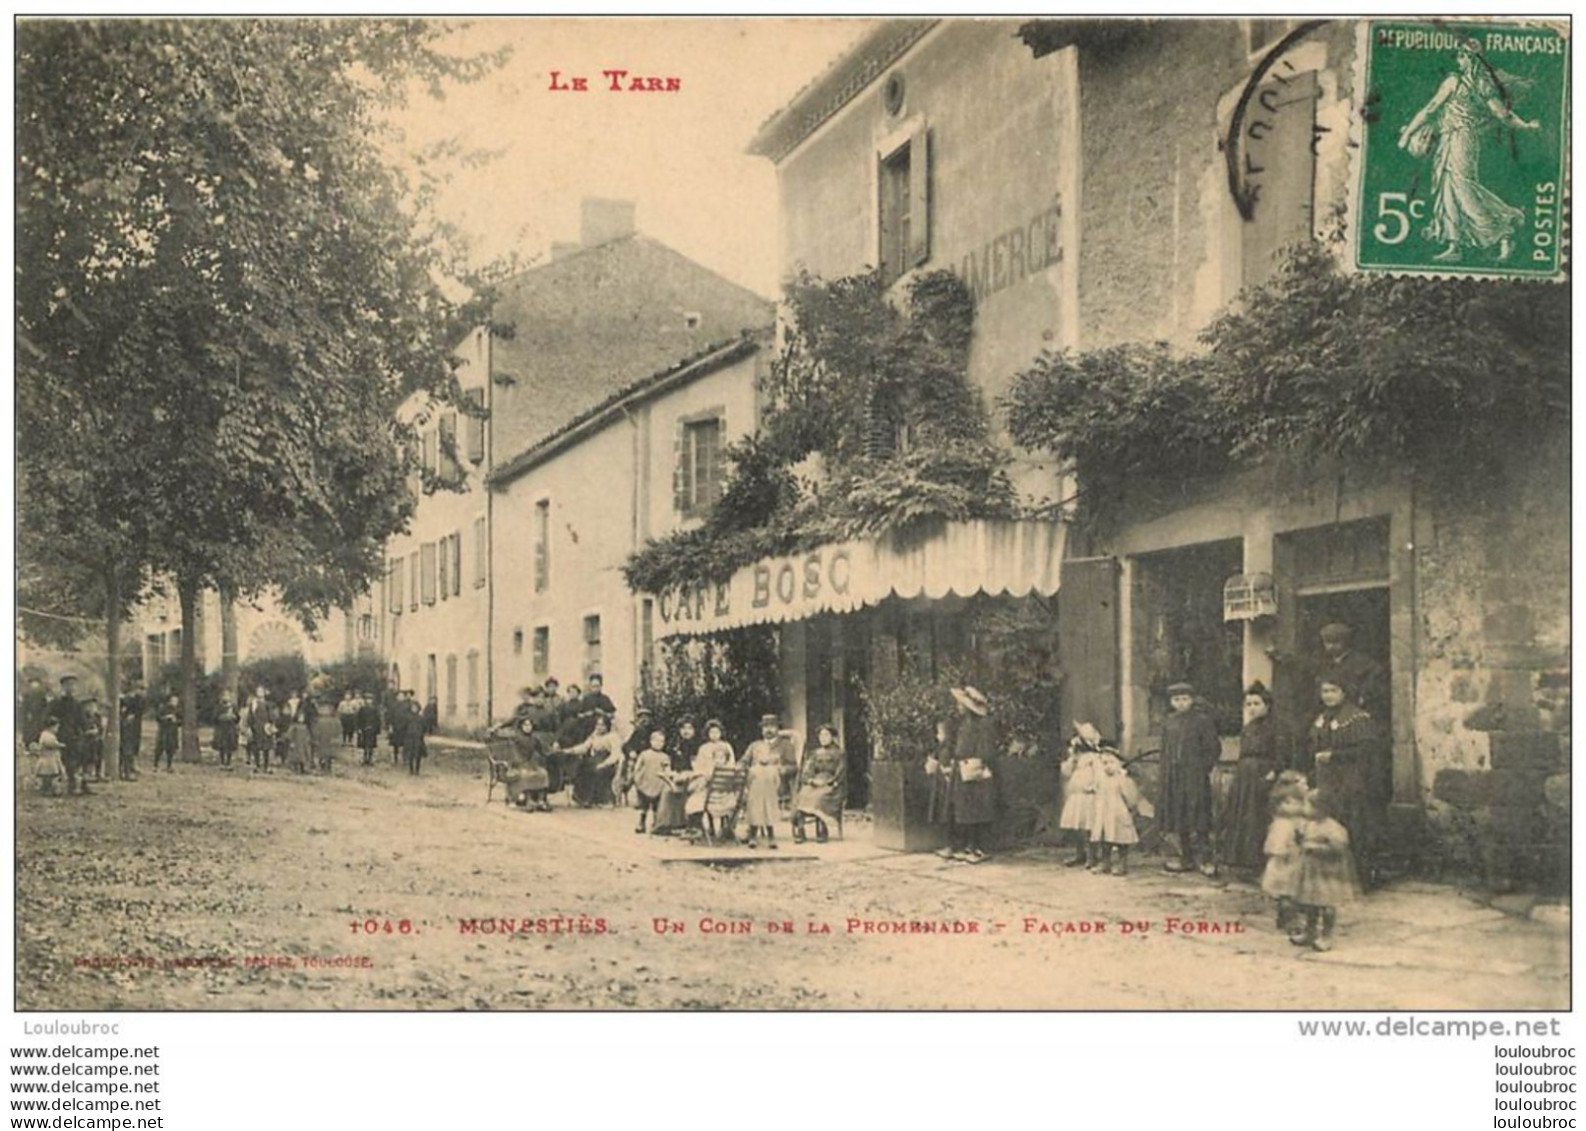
561 249
605 220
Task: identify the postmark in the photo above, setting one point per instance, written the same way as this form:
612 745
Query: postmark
1461 168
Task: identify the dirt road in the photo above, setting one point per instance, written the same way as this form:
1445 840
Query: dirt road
371 889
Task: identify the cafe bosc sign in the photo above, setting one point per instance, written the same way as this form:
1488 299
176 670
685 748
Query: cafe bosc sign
981 556
775 591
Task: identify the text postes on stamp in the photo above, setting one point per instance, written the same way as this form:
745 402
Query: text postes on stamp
1461 169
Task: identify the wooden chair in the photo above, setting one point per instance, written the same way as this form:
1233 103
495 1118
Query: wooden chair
724 796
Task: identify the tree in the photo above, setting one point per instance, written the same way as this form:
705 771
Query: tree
223 291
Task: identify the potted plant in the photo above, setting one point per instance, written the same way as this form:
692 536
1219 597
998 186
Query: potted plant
902 717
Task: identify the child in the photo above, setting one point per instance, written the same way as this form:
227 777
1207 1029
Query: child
44 762
1326 878
650 770
762 801
226 722
1282 846
1117 802
1079 793
715 753
169 722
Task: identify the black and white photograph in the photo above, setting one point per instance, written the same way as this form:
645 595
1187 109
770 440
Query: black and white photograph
660 515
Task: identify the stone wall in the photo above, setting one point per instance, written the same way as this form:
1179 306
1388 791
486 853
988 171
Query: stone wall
1492 685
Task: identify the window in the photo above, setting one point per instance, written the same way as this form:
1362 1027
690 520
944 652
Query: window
450 469
1262 35
542 545
1279 137
542 651
473 685
431 453
451 686
479 553
699 463
366 627
904 206
591 645
393 584
517 642
427 576
413 581
476 427
457 564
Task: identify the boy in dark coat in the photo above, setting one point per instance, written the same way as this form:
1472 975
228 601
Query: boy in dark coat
133 705
67 718
1190 750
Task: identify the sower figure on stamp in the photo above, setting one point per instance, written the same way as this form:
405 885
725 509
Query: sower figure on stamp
1189 751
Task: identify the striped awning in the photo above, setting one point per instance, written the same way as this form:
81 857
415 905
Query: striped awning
991 556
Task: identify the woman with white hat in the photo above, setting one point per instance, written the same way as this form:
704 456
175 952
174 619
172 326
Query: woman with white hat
963 787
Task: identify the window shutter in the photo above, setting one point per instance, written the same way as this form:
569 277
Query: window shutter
443 564
681 473
447 442
476 427
457 564
919 197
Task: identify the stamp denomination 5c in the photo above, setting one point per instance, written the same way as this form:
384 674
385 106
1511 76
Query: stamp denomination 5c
1461 169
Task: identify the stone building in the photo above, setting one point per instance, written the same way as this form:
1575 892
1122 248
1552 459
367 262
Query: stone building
1076 175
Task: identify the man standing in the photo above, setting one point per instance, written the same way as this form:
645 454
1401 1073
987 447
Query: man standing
1357 670
132 707
261 730
70 723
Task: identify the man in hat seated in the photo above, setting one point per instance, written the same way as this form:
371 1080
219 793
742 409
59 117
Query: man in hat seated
1190 750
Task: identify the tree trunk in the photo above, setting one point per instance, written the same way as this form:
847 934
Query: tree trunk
188 591
230 675
112 736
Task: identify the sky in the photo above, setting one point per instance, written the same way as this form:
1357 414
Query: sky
679 155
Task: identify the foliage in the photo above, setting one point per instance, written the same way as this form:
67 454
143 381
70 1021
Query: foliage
1443 374
902 713
731 676
859 370
367 676
222 293
281 676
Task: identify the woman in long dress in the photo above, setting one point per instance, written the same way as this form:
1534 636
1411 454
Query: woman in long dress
1264 751
1345 749
1467 106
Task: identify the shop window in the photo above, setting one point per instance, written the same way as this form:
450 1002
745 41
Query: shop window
1179 631
427 558
479 553
542 545
904 206
451 686
591 645
542 652
699 463
476 427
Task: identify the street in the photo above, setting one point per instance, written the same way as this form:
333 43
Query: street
210 888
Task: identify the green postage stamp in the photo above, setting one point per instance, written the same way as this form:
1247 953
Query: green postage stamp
1465 137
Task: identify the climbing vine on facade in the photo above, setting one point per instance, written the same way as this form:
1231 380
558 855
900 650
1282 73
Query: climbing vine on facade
871 425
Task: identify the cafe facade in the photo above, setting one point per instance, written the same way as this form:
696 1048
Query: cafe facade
1076 175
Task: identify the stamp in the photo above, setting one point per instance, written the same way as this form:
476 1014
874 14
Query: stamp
1461 167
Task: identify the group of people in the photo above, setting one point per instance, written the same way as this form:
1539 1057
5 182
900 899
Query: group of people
64 735
570 739
304 728
1305 812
